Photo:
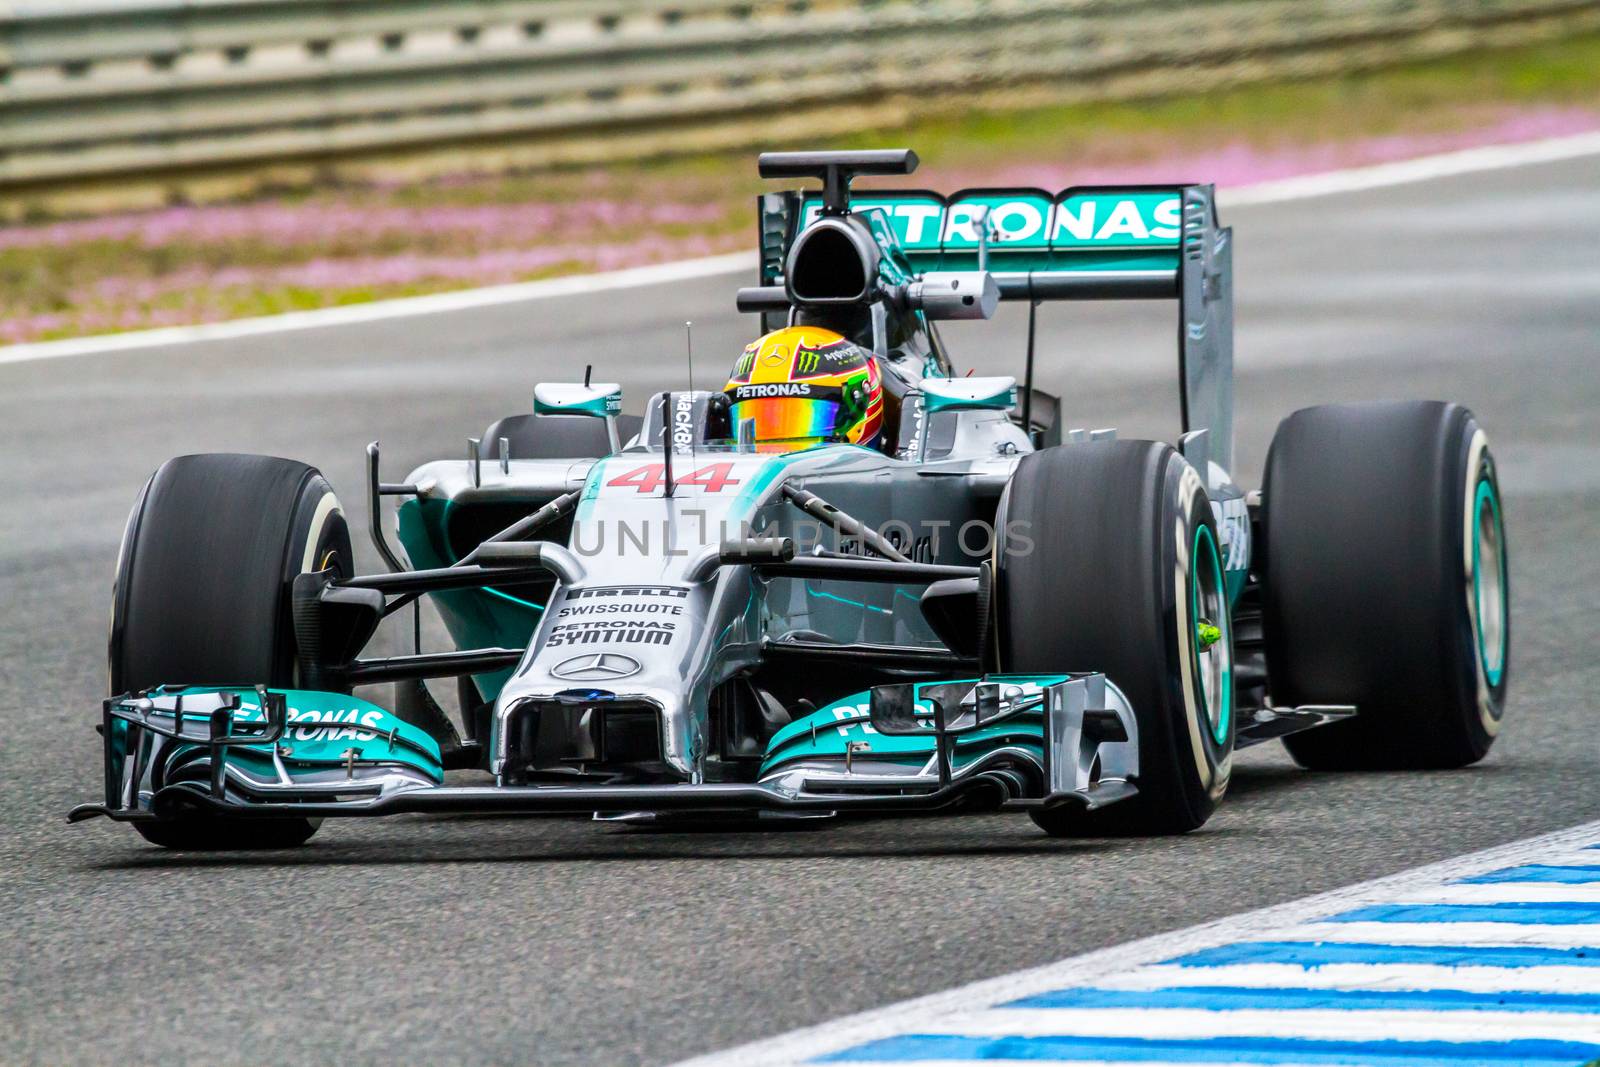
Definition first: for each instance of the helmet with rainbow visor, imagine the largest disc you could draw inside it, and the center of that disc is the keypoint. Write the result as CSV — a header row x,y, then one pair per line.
x,y
803,385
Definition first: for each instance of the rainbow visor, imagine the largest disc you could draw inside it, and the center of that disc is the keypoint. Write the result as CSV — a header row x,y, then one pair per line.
x,y
785,418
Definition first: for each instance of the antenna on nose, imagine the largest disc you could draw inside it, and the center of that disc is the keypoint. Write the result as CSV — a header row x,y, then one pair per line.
x,y
670,483
688,346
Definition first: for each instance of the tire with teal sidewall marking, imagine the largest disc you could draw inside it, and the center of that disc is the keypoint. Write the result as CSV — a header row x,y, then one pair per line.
x,y
1212,632
1126,578
202,598
1385,583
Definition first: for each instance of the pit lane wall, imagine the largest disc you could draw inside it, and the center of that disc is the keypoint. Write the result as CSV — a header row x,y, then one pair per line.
x,y
122,100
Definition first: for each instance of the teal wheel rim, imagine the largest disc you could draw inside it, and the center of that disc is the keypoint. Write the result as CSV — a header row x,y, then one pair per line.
x,y
1489,601
1208,603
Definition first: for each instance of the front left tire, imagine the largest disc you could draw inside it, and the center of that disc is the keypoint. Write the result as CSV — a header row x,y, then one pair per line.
x,y
202,597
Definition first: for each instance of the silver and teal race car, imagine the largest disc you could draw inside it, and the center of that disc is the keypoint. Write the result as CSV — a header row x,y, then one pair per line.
x,y
657,617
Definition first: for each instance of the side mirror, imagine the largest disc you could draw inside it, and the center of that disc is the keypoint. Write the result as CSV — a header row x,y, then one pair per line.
x,y
969,394
601,400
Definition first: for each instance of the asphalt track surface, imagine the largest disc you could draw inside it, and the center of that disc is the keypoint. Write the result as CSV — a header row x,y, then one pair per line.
x,y
497,940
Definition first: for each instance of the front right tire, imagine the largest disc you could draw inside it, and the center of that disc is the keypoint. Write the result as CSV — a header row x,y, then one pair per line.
x,y
1124,575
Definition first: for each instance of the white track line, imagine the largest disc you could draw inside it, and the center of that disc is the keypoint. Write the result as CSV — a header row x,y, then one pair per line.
x,y
378,310
1506,893
1355,179
1421,169
1575,936
1106,967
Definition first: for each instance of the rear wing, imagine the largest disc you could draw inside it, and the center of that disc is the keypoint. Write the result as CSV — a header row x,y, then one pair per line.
x,y
1132,242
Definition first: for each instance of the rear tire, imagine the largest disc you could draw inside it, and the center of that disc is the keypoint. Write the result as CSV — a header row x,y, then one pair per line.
x,y
1126,551
1385,583
202,596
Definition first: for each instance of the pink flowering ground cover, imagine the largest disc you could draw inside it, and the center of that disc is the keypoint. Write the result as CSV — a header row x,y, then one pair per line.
x,y
325,247
211,262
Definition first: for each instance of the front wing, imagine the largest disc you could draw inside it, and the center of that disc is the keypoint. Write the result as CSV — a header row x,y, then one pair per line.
x,y
1002,740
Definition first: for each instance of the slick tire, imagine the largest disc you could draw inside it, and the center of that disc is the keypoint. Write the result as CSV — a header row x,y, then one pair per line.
x,y
1385,584
202,596
1125,563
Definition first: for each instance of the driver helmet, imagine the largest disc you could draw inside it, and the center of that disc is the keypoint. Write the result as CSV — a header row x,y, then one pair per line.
x,y
804,384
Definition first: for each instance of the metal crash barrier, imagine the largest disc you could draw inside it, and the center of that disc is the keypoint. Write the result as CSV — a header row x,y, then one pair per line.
x,y
107,88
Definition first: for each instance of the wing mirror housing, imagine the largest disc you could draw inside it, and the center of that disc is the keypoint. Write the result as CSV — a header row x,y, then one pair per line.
x,y
600,400
969,394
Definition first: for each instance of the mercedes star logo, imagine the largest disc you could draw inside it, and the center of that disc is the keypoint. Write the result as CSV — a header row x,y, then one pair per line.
x,y
597,667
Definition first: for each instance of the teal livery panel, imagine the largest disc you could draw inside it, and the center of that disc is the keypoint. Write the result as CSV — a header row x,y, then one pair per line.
x,y
828,732
324,731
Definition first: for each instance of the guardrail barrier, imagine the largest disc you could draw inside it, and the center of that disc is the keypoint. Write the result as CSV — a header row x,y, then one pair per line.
x,y
98,90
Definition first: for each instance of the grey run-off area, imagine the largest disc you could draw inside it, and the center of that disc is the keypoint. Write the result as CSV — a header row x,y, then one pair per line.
x,y
492,940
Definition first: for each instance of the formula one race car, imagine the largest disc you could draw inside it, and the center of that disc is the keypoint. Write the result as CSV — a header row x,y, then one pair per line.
x,y
850,582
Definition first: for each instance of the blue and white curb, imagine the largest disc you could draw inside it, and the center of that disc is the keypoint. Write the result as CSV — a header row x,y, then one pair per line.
x,y
1492,958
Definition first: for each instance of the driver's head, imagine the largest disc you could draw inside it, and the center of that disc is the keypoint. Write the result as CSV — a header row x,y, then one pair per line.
x,y
805,384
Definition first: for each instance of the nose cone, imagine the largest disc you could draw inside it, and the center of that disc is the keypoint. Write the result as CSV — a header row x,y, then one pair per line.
x,y
635,645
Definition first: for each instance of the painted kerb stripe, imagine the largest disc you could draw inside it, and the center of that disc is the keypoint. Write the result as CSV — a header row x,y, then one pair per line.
x,y
1241,991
